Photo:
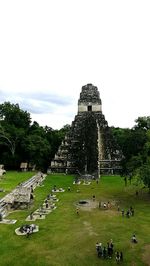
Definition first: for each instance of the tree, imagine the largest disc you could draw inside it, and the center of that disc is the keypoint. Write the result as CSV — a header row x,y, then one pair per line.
x,y
143,122
132,143
144,174
12,114
14,125
37,151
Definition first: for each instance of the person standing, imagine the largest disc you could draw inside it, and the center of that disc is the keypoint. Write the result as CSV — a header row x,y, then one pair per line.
x,y
133,239
28,232
121,256
117,257
77,211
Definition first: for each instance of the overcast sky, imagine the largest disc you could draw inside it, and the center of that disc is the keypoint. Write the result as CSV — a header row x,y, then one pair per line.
x,y
49,49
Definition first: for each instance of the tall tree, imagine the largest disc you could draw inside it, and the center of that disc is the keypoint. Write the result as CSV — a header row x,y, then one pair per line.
x,y
144,174
14,125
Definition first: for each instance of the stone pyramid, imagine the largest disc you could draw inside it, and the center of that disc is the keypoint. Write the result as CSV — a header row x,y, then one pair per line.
x,y
89,147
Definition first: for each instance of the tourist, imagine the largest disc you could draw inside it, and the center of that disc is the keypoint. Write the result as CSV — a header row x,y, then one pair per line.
x,y
104,253
131,211
40,211
66,171
47,205
111,245
133,239
117,257
121,256
28,232
100,250
122,211
69,188
77,210
97,247
31,189
48,196
93,197
105,205
109,250
128,214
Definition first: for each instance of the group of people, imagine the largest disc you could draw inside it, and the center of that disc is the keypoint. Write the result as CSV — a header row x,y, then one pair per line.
x,y
128,213
105,252
27,229
108,205
119,256
51,196
105,205
55,189
46,204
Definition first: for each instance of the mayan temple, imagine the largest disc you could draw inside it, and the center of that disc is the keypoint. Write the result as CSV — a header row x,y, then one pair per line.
x,y
89,147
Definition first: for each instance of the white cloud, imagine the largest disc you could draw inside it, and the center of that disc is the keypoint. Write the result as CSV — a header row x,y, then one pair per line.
x,y
56,47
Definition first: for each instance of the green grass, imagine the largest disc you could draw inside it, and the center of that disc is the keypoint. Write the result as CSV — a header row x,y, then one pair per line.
x,y
68,239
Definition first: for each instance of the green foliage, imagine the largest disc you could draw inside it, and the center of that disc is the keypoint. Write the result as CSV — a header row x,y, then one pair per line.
x,y
131,141
22,141
14,124
143,122
135,144
144,174
12,114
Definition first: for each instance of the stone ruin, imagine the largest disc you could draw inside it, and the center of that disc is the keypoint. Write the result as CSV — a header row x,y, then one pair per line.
x,y
89,147
2,170
24,167
21,197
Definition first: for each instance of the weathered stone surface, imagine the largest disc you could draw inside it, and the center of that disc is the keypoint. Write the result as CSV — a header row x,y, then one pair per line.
x,y
88,94
2,170
89,146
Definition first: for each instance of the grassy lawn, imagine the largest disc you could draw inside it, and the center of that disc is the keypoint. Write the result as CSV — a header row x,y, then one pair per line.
x,y
68,239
